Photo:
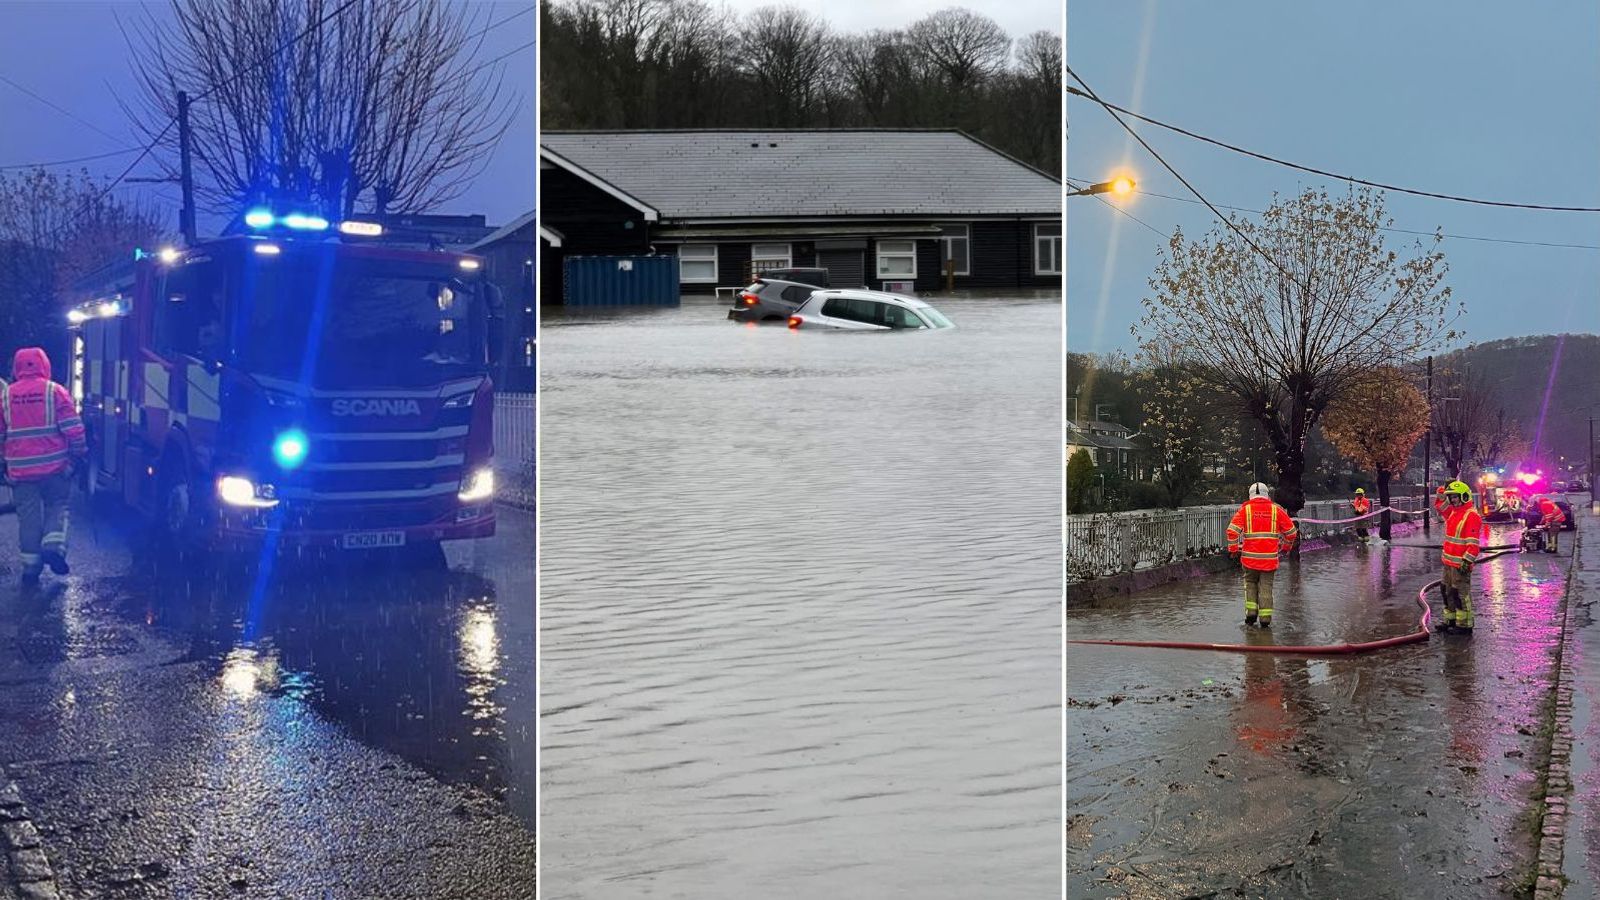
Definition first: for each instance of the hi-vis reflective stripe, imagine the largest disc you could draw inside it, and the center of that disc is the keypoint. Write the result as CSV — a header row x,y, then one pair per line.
x,y
30,432
21,462
155,386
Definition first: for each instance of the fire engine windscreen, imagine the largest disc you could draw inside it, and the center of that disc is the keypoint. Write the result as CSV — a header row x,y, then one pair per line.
x,y
367,325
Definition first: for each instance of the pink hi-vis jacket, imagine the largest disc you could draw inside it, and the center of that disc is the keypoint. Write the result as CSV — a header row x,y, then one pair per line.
x,y
39,424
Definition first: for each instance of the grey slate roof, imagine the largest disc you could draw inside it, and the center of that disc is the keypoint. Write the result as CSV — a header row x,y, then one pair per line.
x,y
718,174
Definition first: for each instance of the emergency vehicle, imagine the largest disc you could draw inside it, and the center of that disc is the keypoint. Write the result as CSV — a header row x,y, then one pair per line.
x,y
314,383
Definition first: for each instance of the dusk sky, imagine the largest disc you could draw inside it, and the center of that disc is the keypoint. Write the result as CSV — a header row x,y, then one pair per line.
x,y
74,55
1477,98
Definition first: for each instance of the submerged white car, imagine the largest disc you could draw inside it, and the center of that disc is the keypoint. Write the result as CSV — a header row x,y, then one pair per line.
x,y
858,310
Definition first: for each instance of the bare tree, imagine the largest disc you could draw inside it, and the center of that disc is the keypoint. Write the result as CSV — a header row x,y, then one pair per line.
x,y
1466,417
962,45
382,107
785,51
1289,312
53,230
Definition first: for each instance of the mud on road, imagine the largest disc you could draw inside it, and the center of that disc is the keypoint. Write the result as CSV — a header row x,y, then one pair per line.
x,y
1404,773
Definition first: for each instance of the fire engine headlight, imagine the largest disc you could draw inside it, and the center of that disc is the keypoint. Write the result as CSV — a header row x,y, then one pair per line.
x,y
477,486
235,490
289,448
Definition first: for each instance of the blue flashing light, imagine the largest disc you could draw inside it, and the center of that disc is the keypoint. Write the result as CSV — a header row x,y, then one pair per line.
x,y
303,222
259,218
290,448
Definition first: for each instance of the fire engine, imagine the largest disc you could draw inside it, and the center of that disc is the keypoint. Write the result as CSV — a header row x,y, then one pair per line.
x,y
311,383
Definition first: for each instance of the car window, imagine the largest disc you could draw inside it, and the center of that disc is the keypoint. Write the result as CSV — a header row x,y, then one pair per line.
x,y
796,293
850,309
899,317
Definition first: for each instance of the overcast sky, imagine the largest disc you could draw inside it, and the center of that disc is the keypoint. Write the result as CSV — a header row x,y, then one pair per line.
x,y
1017,17
72,53
1465,97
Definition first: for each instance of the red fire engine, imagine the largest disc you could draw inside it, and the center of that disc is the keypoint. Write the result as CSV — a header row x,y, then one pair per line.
x,y
314,384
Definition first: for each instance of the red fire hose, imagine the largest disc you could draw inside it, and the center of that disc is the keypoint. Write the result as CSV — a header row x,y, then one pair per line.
x,y
1421,634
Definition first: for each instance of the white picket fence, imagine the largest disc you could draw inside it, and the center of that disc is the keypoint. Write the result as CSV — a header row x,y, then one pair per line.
x,y
515,440
1101,544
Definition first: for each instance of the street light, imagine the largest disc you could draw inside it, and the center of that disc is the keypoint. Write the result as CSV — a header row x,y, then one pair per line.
x,y
1121,186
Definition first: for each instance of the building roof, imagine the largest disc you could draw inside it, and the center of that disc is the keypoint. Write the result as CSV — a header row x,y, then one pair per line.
x,y
506,230
709,174
1080,437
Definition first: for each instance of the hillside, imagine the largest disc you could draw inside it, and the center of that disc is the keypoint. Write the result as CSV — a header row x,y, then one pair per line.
x,y
1520,370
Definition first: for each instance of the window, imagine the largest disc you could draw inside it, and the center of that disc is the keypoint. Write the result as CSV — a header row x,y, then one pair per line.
x,y
797,293
770,256
1047,248
955,243
189,322
697,264
900,317
897,260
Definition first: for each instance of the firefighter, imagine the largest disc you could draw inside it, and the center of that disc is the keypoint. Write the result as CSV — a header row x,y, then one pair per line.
x,y
1550,519
1258,531
1362,506
41,436
1463,527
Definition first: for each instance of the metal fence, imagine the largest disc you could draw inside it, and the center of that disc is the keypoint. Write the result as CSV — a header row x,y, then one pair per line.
x,y
1100,544
515,440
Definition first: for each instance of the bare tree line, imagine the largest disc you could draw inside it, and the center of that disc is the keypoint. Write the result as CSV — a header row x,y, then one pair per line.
x,y
687,64
381,108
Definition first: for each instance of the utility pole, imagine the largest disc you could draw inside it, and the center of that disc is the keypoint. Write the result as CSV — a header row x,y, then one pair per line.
x,y
1594,490
1427,454
185,172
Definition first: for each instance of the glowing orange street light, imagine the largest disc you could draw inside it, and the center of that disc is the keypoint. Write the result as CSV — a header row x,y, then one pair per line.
x,y
1121,186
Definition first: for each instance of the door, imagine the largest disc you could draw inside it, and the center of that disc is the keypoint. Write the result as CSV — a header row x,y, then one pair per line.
x,y
846,268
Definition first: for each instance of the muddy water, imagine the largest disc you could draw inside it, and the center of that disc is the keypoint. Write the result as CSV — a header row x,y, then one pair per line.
x,y
1399,774
800,607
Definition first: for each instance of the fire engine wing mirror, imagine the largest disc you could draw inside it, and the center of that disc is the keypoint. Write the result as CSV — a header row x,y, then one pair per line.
x,y
496,323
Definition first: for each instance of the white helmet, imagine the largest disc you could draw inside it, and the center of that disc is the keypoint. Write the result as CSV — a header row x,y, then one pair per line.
x,y
1260,489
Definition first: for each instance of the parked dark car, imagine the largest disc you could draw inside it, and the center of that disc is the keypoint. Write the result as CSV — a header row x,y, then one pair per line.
x,y
776,294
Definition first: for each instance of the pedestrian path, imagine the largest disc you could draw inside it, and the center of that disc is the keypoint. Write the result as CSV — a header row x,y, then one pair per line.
x,y
1577,832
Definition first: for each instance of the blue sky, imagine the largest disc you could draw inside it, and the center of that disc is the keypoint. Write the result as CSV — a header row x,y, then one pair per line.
x,y
1477,98
73,53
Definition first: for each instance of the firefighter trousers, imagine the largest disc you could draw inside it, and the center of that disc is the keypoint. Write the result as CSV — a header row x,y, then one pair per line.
x,y
1457,597
1552,539
1258,593
42,517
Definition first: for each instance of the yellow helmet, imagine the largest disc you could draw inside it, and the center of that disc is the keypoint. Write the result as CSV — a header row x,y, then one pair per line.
x,y
1458,487
1361,490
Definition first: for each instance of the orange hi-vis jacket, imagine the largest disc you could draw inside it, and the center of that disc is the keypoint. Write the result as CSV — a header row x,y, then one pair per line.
x,y
1463,528
1549,513
1258,530
1362,505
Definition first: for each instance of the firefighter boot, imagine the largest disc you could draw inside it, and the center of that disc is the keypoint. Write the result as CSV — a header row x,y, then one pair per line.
x,y
1266,617
1553,545
1464,614
1447,621
56,561
1249,613
31,567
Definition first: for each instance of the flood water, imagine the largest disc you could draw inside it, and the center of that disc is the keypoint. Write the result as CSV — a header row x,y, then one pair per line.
x,y
1401,773
800,606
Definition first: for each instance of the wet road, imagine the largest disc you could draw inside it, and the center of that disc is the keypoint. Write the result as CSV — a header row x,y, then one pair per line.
x,y
1405,773
800,607
328,730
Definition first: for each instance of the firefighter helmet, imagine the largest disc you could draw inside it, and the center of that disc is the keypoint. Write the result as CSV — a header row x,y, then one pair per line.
x,y
1361,490
1259,490
1458,487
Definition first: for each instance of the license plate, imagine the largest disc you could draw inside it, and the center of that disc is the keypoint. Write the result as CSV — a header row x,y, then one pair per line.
x,y
372,540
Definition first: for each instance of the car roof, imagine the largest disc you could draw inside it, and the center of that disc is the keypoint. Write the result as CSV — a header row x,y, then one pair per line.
x,y
898,299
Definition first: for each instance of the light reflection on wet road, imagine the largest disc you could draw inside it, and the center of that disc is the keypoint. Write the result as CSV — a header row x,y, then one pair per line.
x,y
354,731
800,607
1397,774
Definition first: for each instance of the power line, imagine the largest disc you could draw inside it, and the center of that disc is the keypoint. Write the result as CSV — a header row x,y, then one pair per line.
x,y
60,109
1233,226
67,162
1323,172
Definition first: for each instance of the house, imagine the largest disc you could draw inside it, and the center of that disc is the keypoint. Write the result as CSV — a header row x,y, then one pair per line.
x,y
1109,444
872,206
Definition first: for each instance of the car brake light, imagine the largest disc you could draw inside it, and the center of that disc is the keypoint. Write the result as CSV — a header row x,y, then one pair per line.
x,y
749,299
795,321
